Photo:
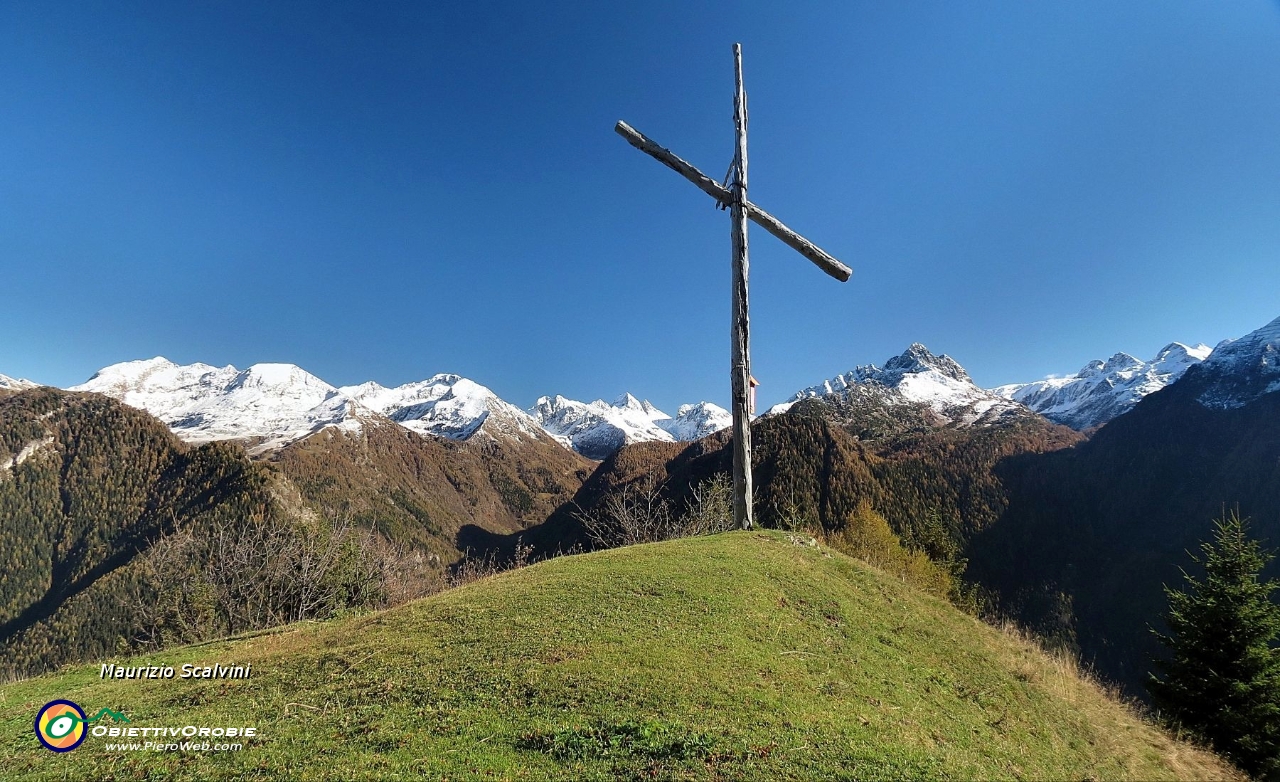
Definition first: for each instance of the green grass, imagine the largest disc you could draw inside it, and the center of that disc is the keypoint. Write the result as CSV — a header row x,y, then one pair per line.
x,y
737,656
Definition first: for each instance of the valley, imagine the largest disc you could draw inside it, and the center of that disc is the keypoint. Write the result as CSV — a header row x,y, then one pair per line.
x,y
1071,534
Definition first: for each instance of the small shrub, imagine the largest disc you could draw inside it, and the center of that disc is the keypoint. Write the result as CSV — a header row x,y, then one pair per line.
x,y
866,535
258,571
710,507
639,513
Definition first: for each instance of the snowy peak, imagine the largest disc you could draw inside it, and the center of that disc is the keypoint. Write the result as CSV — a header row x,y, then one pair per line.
x,y
629,402
1239,371
916,377
917,359
1232,374
154,375
283,380
15,384
270,404
1176,354
694,422
1100,391
1121,362
1255,349
549,406
597,429
447,405
1091,369
635,406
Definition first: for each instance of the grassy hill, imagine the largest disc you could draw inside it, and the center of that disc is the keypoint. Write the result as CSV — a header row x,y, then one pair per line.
x,y
737,656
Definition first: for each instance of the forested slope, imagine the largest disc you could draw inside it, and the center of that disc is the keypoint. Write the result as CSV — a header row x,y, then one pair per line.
x,y
86,485
1092,534
422,491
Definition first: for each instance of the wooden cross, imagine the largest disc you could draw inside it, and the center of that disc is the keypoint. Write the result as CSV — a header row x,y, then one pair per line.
x,y
735,197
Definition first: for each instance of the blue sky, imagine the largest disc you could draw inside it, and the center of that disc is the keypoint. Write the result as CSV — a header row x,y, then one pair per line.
x,y
386,191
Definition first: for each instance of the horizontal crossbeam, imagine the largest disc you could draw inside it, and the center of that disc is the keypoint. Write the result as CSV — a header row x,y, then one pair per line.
x,y
722,194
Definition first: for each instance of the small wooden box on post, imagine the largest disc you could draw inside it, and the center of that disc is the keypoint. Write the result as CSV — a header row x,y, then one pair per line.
x,y
740,211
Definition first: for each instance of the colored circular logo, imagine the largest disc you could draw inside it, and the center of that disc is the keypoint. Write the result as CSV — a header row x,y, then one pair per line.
x,y
60,726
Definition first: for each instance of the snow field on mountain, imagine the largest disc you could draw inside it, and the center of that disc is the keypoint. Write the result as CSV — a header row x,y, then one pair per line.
x,y
16,384
275,404
1100,391
596,429
917,376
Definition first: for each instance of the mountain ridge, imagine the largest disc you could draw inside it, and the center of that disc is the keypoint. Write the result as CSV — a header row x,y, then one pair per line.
x,y
1100,391
87,485
270,405
15,383
1109,522
915,378
1240,371
597,429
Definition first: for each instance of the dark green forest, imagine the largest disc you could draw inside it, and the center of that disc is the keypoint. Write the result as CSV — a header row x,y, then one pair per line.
x,y
100,483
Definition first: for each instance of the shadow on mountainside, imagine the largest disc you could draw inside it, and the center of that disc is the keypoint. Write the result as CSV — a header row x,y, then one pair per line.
x,y
1091,534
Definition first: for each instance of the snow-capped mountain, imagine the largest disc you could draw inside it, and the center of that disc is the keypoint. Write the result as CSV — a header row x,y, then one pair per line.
x,y
1103,390
271,404
15,384
917,377
694,422
447,406
1241,370
597,429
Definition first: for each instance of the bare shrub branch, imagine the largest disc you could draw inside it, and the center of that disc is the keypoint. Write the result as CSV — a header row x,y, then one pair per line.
x,y
638,513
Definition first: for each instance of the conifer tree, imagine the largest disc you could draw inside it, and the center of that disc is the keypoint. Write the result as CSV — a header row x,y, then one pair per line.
x,y
1222,679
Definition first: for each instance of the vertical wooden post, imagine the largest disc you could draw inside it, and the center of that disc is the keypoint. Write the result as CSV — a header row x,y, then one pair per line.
x,y
741,354
741,210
